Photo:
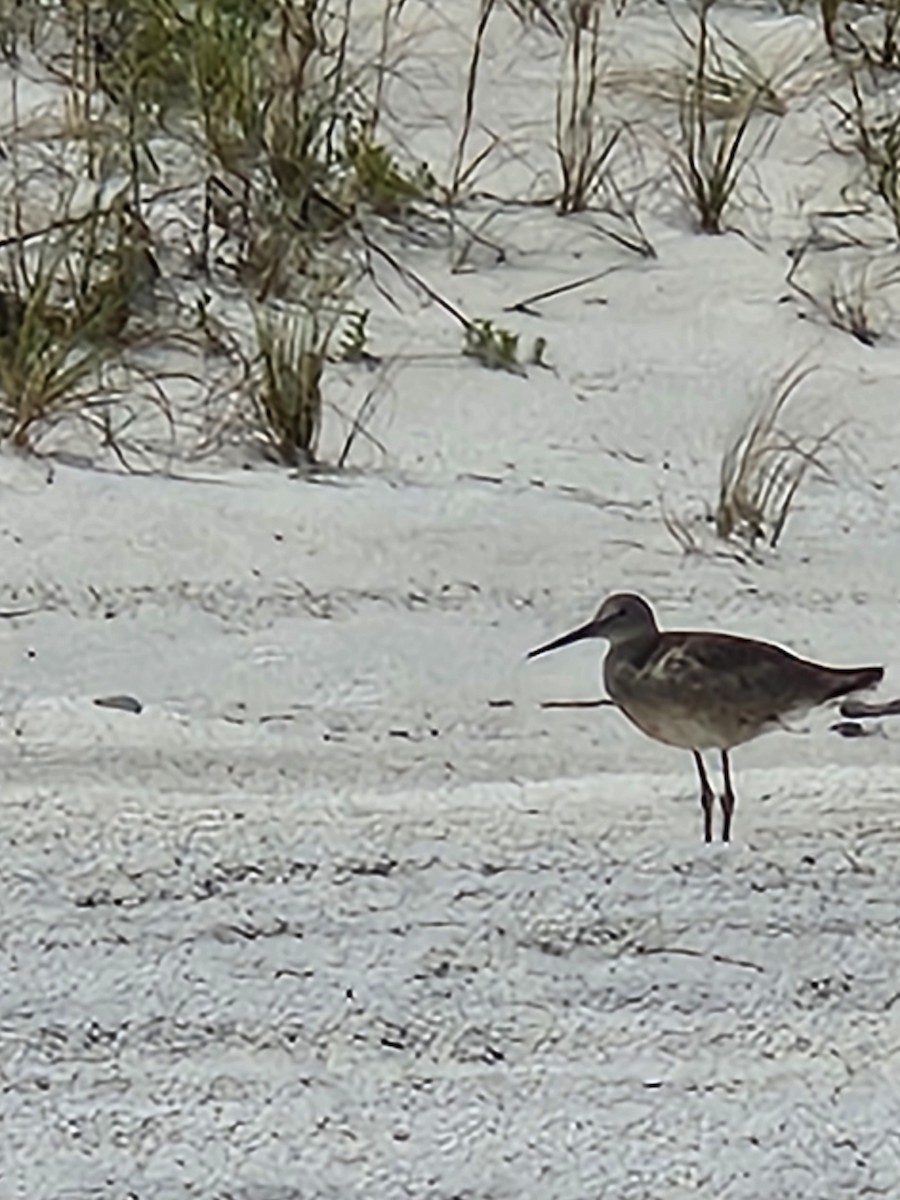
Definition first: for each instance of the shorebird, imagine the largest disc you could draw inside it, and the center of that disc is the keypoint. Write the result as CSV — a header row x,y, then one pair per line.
x,y
705,691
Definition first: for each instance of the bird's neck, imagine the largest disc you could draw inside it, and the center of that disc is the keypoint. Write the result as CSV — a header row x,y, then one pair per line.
x,y
635,650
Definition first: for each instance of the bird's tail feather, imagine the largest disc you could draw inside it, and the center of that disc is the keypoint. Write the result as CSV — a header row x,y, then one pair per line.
x,y
855,680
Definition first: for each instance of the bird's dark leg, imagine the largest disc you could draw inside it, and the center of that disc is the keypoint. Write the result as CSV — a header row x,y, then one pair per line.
x,y
727,798
707,797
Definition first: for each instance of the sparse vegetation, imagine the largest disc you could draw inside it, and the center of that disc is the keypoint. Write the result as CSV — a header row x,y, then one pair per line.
x,y
864,32
873,38
854,296
49,361
292,349
294,343
870,125
584,141
260,110
585,136
66,298
829,11
493,346
462,169
239,154
712,152
764,465
378,181
731,75
354,338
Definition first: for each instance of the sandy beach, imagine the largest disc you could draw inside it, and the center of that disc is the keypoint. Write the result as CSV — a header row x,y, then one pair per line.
x,y
345,912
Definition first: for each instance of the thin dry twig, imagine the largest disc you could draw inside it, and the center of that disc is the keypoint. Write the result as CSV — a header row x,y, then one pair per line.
x,y
484,16
526,305
717,958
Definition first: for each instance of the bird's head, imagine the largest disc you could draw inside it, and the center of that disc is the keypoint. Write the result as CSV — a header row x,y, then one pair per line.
x,y
621,618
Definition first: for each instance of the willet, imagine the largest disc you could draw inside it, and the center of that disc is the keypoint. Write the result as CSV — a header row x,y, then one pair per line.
x,y
705,691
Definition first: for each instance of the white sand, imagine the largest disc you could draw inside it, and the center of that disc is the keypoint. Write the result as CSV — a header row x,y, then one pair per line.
x,y
344,913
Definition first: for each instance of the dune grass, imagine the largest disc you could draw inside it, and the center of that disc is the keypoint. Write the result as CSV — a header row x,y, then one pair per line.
x,y
711,153
764,465
265,113
233,148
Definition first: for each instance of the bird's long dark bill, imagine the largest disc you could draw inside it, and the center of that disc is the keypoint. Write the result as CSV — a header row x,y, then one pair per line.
x,y
577,635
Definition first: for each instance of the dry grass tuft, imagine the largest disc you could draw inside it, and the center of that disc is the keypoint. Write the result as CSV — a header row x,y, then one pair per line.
x,y
293,343
66,298
858,296
584,141
764,466
288,394
712,154
870,128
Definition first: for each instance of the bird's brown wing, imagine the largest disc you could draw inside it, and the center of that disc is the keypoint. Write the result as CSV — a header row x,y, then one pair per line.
x,y
761,680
